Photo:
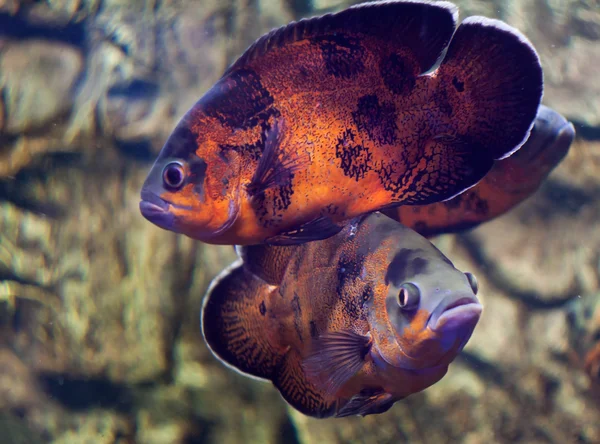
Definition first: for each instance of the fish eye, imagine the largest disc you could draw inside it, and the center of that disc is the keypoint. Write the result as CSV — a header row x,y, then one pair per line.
x,y
472,282
409,296
173,175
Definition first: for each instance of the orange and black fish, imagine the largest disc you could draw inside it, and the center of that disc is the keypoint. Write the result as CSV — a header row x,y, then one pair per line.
x,y
383,104
511,181
583,316
343,326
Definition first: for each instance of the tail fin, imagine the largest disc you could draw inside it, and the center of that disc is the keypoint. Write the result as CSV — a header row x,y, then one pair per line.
x,y
234,324
495,83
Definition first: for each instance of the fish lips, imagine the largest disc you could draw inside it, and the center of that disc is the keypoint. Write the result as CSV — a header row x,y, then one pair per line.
x,y
156,210
454,314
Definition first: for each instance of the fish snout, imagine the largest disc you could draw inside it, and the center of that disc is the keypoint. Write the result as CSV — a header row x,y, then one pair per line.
x,y
455,313
156,210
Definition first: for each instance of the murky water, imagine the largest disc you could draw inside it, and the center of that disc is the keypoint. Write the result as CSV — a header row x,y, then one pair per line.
x,y
100,339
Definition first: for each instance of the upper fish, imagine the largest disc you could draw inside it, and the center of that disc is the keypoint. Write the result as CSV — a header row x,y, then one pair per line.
x,y
382,104
510,182
343,326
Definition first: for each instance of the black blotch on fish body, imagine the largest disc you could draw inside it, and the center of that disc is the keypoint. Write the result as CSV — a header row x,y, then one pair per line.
x,y
343,55
253,150
404,265
262,308
297,310
397,75
197,168
419,265
314,333
377,120
238,99
348,270
458,85
355,159
182,142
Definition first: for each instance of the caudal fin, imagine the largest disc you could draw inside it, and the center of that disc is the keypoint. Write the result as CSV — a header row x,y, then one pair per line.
x,y
494,83
234,323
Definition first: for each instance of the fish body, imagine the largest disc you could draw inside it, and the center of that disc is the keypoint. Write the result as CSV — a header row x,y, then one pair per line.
x,y
333,117
583,316
510,182
343,326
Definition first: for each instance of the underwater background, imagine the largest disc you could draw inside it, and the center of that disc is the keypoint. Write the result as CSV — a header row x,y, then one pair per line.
x,y
99,309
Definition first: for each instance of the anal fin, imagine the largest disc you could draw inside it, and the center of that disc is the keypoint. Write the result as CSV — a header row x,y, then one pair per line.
x,y
367,402
336,358
317,229
299,392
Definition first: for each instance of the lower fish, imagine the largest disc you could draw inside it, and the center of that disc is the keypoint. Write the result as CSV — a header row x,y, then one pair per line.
x,y
343,326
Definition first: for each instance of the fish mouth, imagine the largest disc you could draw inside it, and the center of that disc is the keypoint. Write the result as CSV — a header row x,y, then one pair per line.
x,y
455,313
156,210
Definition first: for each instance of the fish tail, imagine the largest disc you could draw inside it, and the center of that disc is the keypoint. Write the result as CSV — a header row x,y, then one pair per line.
x,y
234,324
492,84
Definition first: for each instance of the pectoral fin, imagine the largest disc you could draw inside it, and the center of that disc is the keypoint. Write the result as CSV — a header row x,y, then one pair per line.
x,y
276,166
336,358
317,229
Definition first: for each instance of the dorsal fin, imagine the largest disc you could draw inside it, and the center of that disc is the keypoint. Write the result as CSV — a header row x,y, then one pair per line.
x,y
423,28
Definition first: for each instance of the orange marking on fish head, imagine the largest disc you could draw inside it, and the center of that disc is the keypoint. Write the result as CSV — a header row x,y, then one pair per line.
x,y
192,194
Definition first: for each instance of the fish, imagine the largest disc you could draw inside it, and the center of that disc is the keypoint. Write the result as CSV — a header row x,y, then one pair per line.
x,y
343,326
510,181
326,119
583,320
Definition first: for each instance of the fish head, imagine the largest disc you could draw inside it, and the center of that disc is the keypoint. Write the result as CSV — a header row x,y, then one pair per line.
x,y
431,308
190,191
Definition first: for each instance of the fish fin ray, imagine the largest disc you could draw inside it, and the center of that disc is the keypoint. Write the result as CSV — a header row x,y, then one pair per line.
x,y
268,262
297,390
336,357
317,229
493,80
422,29
233,326
367,402
276,167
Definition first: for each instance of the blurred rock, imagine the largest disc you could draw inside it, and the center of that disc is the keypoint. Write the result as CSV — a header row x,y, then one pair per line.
x,y
37,79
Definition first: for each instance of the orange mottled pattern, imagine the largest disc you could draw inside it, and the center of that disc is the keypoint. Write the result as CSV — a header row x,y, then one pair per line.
x,y
339,284
368,127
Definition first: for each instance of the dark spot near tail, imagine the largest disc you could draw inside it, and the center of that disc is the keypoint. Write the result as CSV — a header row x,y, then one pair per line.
x,y
355,159
237,99
262,308
398,74
314,333
376,119
458,85
343,55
